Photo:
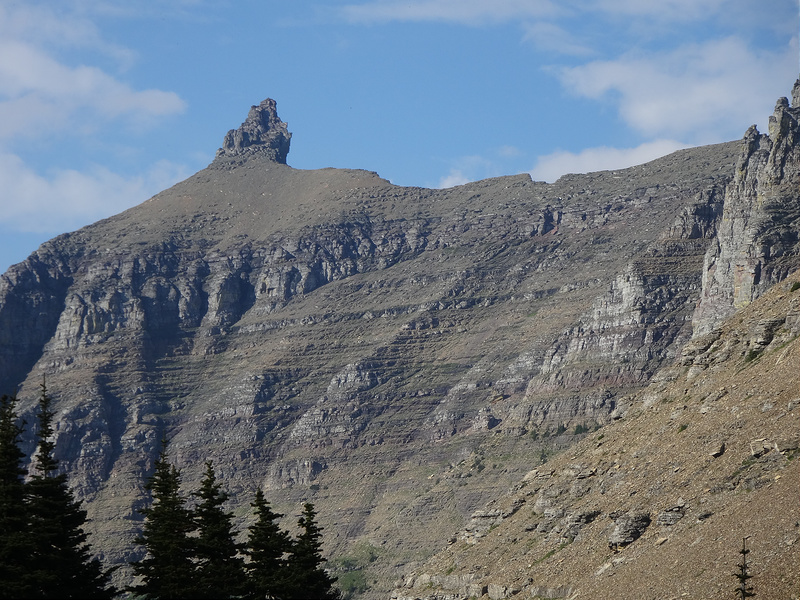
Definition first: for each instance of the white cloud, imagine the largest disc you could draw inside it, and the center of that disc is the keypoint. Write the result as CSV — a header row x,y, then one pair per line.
x,y
453,178
663,10
697,91
475,168
473,12
549,36
552,166
41,94
67,199
55,27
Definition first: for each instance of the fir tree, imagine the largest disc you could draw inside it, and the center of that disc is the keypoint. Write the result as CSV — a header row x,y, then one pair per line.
x,y
266,546
743,589
167,571
15,542
306,579
220,571
63,564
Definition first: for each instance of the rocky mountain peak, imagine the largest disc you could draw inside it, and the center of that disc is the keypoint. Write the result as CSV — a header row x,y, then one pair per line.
x,y
262,132
796,94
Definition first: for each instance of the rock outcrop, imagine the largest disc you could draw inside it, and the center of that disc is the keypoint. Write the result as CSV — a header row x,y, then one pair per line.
x,y
758,242
261,133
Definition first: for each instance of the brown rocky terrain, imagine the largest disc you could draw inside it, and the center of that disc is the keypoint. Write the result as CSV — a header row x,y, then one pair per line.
x,y
402,356
656,504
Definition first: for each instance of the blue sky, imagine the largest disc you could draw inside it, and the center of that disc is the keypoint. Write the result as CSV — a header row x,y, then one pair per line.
x,y
104,103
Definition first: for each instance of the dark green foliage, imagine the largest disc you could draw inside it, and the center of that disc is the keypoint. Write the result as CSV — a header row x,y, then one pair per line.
x,y
220,571
193,553
306,579
751,355
16,546
266,546
167,571
62,564
743,589
189,553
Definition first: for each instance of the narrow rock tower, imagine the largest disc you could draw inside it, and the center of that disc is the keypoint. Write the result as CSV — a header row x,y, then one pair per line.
x,y
261,133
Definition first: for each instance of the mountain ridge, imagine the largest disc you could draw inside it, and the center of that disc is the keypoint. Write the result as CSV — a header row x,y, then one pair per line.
x,y
396,355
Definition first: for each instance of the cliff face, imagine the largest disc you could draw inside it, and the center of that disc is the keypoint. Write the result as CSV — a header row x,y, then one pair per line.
x,y
759,237
395,355
656,504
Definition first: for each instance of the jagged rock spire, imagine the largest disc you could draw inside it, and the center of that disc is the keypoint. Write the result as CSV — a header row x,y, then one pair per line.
x,y
796,94
262,132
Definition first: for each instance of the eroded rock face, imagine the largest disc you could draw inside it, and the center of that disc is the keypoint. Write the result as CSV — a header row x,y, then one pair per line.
x,y
759,237
262,132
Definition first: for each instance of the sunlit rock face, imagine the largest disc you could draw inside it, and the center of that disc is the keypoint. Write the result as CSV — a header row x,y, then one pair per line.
x,y
759,236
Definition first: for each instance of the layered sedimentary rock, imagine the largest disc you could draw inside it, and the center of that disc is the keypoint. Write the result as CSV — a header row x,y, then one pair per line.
x,y
656,504
395,355
759,237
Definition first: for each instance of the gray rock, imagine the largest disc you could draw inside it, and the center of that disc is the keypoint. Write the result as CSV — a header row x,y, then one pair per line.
x,y
758,241
262,132
669,517
628,527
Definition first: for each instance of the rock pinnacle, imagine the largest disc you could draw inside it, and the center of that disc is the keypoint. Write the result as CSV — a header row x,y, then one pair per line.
x,y
261,133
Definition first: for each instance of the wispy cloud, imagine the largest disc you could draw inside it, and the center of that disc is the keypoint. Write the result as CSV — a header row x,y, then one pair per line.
x,y
552,166
43,95
473,168
66,199
695,92
549,36
471,12
33,85
663,10
54,26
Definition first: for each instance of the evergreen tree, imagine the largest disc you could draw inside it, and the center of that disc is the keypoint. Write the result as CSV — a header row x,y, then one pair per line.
x,y
63,564
220,571
743,589
15,542
306,579
167,571
266,546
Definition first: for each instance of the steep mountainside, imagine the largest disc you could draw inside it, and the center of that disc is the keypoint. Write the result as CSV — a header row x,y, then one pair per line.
x,y
656,504
398,356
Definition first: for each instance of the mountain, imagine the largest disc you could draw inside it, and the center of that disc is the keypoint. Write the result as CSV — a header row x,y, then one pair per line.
x,y
399,356
657,504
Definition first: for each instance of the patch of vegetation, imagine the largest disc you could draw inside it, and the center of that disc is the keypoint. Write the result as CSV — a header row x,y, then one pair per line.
x,y
795,286
682,427
551,553
351,569
584,428
746,463
352,583
751,355
543,456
